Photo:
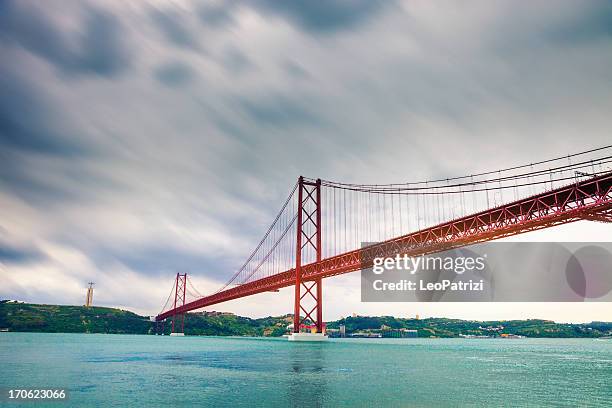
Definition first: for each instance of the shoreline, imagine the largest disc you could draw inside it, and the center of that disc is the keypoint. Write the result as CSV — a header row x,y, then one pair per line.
x,y
37,318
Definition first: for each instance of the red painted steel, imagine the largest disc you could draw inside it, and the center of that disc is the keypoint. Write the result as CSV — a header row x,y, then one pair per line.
x,y
180,297
585,200
298,258
319,282
309,196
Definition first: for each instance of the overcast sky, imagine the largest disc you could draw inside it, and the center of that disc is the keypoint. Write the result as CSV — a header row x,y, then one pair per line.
x,y
138,139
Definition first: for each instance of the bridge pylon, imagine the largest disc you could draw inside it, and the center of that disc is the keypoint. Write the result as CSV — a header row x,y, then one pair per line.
x,y
308,294
178,320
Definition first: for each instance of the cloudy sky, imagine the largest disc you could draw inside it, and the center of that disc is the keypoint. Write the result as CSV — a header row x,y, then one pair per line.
x,y
138,139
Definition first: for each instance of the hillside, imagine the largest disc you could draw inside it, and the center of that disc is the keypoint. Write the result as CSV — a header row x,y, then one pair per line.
x,y
70,319
25,317
79,319
442,327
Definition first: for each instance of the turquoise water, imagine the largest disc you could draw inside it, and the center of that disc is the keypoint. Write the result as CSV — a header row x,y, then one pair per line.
x,y
145,371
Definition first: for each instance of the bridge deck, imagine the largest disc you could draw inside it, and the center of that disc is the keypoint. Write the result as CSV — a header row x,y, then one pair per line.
x,y
588,199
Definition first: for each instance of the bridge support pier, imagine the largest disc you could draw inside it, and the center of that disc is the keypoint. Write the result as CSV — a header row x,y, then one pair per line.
x,y
307,337
308,294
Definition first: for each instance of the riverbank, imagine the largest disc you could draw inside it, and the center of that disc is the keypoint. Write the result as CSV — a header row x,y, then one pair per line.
x,y
25,317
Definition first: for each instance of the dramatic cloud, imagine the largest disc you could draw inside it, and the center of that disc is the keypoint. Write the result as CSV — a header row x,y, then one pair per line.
x,y
18,255
174,74
172,24
28,122
139,139
325,17
94,46
217,15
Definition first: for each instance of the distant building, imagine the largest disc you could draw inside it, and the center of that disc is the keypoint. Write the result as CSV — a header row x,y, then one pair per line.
x,y
491,328
342,330
398,333
222,314
213,313
409,333
511,336
474,336
367,335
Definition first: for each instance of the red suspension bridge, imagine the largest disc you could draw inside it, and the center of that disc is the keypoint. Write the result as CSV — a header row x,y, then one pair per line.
x,y
327,228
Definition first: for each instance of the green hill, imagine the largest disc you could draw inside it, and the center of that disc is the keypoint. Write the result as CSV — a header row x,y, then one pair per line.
x,y
26,317
442,327
70,319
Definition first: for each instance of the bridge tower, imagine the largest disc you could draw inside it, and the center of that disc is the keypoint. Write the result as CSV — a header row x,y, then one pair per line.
x,y
308,294
178,320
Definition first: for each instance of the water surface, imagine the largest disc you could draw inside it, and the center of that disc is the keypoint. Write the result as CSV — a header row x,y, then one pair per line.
x,y
145,371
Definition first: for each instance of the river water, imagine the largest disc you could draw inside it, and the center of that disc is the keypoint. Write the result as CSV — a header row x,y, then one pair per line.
x,y
147,371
